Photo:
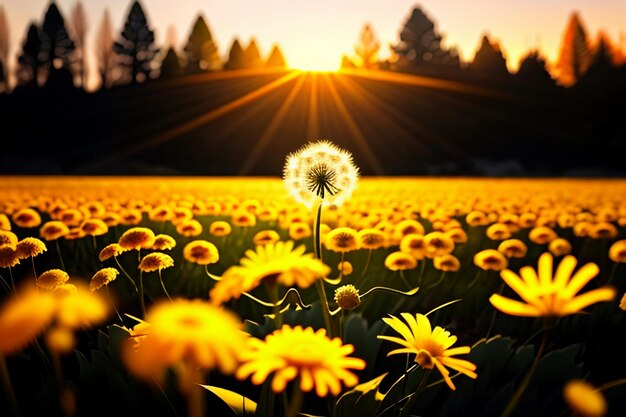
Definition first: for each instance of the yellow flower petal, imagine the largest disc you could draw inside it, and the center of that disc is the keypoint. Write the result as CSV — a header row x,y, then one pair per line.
x,y
512,307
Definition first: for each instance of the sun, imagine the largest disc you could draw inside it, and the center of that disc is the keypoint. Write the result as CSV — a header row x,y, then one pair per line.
x,y
314,63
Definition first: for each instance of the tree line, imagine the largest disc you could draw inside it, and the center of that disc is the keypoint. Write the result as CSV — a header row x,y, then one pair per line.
x,y
53,53
421,50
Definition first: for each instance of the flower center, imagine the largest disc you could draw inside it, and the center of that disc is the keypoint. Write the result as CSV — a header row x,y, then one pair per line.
x,y
319,180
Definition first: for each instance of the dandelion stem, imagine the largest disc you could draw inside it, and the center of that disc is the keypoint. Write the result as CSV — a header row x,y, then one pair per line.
x,y
12,281
32,261
163,286
319,284
409,404
7,385
6,284
126,273
612,274
403,278
524,384
142,303
195,396
59,252
443,274
296,401
272,289
64,395
367,264
493,315
113,304
422,269
475,280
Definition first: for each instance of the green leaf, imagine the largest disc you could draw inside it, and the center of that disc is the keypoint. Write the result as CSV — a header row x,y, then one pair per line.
x,y
362,400
239,404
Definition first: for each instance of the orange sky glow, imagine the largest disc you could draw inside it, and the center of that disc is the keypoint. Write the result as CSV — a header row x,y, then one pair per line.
x,y
315,34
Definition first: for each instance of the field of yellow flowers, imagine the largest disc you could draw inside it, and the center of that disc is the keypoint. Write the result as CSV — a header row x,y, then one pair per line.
x,y
269,297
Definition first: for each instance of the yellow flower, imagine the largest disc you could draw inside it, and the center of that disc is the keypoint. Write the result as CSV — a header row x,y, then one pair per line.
x,y
155,262
584,399
546,296
299,230
189,227
192,331
320,362
94,227
617,251
51,279
448,263
27,218
560,247
23,319
582,229
320,171
29,247
220,228
370,238
400,261
111,219
413,244
130,217
136,238
80,309
60,340
342,239
542,235
437,244
71,217
5,224
265,237
103,277
476,218
498,231
201,252
8,256
457,235
163,242
109,251
603,230
345,268
243,218
279,261
181,214
622,303
432,347
347,297
513,248
407,227
161,213
490,259
8,238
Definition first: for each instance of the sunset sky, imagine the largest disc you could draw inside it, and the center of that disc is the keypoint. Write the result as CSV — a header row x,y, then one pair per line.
x,y
315,34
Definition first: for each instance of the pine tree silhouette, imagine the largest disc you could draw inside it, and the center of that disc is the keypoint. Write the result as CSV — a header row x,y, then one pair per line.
x,y
135,47
533,69
489,59
346,63
420,44
105,56
29,61
56,46
575,56
201,50
79,26
235,57
276,58
252,56
170,66
367,48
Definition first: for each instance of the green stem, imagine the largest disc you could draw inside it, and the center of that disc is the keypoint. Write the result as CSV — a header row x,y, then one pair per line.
x,y
367,264
493,315
7,385
512,405
13,282
32,261
612,274
441,277
59,252
319,284
422,269
195,396
65,399
142,303
126,273
296,400
113,305
163,286
612,384
475,280
403,278
272,289
409,404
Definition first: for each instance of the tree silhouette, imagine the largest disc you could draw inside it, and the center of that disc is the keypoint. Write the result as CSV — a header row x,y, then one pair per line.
x,y
489,59
201,50
367,48
170,65
575,56
105,56
235,57
4,50
252,56
79,26
29,61
420,44
56,46
135,47
346,63
533,69
276,58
